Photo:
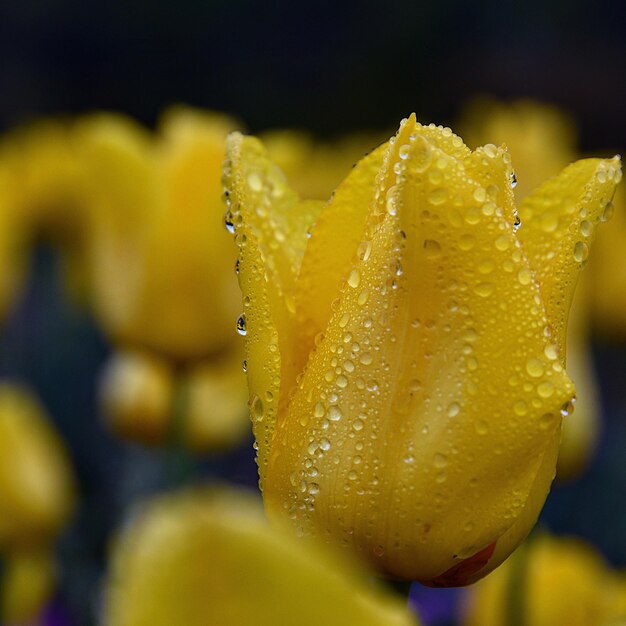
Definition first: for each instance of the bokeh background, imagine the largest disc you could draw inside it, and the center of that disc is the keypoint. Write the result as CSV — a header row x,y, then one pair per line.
x,y
330,68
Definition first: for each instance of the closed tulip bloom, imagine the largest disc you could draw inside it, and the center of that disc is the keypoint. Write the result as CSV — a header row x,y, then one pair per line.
x,y
209,557
37,488
549,582
40,173
406,362
161,264
136,394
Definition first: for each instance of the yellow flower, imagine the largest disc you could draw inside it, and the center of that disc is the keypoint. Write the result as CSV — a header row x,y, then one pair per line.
x,y
540,137
26,584
313,168
12,255
209,557
139,392
405,363
162,264
40,187
607,278
36,483
542,140
548,582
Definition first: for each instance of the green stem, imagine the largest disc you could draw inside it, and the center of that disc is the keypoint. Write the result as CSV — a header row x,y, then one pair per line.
x,y
179,463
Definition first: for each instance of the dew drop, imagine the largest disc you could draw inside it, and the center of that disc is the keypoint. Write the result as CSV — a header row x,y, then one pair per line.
x,y
525,276
581,251
480,195
441,460
228,221
484,290
354,278
438,196
545,389
453,409
502,243
334,414
257,409
254,181
534,367
241,324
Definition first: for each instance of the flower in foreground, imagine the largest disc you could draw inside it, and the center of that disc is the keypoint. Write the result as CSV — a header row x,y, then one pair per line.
x,y
406,362
542,140
549,581
210,557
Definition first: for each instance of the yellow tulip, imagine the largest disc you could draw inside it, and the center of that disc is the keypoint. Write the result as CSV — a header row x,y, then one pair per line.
x,y
41,170
162,264
26,584
405,362
209,557
549,582
215,417
542,140
136,395
12,255
313,168
36,482
540,137
608,276
142,397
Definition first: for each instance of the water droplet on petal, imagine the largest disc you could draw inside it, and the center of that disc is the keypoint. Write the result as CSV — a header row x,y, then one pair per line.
x,y
241,324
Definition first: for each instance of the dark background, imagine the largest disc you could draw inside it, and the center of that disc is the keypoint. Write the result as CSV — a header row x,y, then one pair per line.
x,y
330,67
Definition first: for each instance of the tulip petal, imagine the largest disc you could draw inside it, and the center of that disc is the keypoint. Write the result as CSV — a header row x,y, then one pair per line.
x,y
421,424
330,251
271,227
558,223
37,488
209,557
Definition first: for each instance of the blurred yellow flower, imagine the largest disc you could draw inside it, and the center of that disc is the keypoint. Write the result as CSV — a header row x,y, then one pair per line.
x,y
37,495
315,169
405,363
39,172
162,262
547,582
209,557
37,488
139,391
26,584
542,140
607,277
12,254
